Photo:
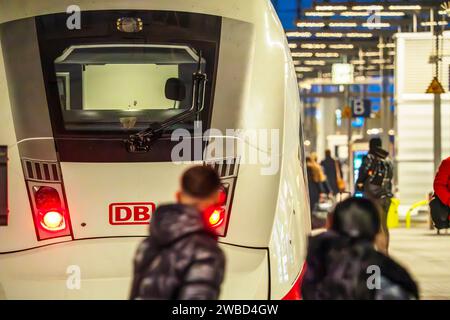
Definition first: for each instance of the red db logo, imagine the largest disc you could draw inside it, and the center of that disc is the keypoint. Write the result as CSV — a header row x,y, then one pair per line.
x,y
130,213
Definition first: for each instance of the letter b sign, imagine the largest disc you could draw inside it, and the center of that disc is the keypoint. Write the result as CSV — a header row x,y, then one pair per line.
x,y
361,108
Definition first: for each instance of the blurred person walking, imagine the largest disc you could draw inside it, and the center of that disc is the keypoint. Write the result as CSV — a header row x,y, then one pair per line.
x,y
316,181
375,182
343,264
181,259
333,172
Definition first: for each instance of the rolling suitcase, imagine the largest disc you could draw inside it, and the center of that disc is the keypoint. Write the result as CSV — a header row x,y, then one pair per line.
x,y
439,214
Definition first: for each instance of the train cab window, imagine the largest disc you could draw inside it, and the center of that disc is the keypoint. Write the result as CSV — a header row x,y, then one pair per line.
x,y
124,87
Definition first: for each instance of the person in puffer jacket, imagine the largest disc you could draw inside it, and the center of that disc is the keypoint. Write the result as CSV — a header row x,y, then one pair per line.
x,y
181,259
342,263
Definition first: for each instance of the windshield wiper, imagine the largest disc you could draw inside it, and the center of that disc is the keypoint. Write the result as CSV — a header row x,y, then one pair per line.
x,y
142,141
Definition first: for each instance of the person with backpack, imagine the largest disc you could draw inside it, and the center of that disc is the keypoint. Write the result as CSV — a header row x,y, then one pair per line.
x,y
375,183
343,264
181,259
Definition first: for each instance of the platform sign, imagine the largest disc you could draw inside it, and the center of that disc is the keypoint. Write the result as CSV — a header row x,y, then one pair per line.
x,y
435,87
342,73
361,108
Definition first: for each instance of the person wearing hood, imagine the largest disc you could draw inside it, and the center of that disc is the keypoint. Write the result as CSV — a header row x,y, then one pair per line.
x,y
375,182
343,264
181,259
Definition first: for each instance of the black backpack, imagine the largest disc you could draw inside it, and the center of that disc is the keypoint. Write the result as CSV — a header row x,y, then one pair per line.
x,y
379,171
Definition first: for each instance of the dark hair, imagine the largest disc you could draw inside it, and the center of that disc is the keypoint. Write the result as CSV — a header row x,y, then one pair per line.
x,y
328,153
356,218
200,181
374,144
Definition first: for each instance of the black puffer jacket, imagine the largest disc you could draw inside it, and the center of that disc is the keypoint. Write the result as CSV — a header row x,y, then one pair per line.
x,y
340,268
180,260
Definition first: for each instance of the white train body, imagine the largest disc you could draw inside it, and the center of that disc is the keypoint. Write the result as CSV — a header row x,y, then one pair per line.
x,y
251,85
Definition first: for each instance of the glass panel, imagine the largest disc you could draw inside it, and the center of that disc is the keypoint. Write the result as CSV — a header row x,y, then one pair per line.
x,y
111,87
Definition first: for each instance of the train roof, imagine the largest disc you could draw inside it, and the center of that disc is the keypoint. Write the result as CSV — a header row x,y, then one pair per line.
x,y
244,10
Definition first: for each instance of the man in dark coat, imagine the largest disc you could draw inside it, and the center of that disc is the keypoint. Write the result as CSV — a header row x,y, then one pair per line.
x,y
330,166
181,259
375,181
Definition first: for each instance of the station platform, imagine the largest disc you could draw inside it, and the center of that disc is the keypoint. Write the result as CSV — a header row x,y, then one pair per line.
x,y
426,255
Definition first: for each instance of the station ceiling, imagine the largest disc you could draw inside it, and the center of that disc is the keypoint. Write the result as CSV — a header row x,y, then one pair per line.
x,y
317,30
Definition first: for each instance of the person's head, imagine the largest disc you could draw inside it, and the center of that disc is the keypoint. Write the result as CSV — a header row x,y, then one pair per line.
x,y
314,156
308,160
374,144
200,187
328,153
357,218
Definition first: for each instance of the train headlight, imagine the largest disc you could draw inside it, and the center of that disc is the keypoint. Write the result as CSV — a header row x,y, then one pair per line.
x,y
129,25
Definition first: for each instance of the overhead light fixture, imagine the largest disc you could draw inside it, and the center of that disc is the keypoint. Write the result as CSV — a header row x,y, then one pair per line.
x,y
376,25
296,63
302,54
341,46
389,14
319,14
360,35
304,69
293,45
358,62
386,45
310,24
313,46
390,67
391,53
294,34
434,23
355,14
330,8
379,61
371,54
342,24
326,55
368,8
329,35
405,7
314,62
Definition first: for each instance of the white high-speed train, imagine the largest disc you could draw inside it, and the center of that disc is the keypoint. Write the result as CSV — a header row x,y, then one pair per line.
x,y
89,98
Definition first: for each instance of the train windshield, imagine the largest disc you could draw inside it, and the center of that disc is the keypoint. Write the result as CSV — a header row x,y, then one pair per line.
x,y
124,87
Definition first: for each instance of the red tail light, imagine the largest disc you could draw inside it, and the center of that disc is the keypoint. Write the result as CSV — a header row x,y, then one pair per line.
x,y
53,221
50,214
216,217
47,198
295,293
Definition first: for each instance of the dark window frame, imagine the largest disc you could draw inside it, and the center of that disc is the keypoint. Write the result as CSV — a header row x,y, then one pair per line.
x,y
198,31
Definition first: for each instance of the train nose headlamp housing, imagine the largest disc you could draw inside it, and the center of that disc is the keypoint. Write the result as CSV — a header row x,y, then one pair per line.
x,y
129,25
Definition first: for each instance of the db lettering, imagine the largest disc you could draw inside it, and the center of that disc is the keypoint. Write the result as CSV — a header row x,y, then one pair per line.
x,y
130,213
